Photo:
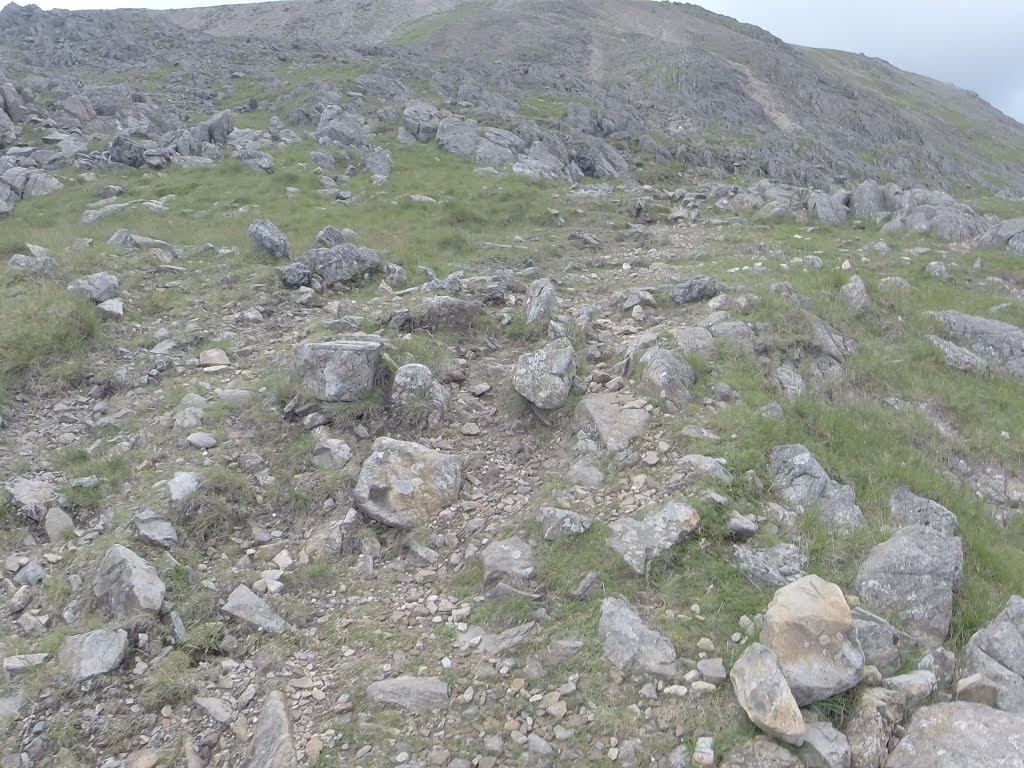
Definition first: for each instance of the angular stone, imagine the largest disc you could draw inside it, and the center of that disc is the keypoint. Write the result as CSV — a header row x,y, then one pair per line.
x,y
916,686
413,694
541,301
183,485
996,653
96,288
915,575
345,263
338,371
802,482
93,653
825,747
420,396
959,734
774,567
630,644
402,484
870,723
667,377
57,524
695,289
545,377
640,541
243,604
508,559
271,745
330,453
125,584
883,644
31,498
908,509
809,627
764,695
560,523
607,416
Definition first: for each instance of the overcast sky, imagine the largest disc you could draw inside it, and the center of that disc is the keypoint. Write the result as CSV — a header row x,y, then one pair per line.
x,y
973,44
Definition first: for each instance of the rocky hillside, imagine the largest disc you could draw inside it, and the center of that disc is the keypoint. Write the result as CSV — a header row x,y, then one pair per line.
x,y
502,391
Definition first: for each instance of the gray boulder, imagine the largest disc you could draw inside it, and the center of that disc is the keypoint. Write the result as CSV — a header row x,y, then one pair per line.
x,y
915,576
419,122
341,128
870,199
883,644
446,313
810,628
870,724
700,288
271,745
154,528
413,694
541,301
829,209
667,376
97,288
31,498
93,653
343,263
996,654
775,566
855,294
640,541
507,559
909,509
959,734
630,644
258,161
561,523
379,163
802,482
457,135
824,747
545,377
31,265
611,419
999,343
403,484
763,693
338,371
126,584
245,605
266,237
127,152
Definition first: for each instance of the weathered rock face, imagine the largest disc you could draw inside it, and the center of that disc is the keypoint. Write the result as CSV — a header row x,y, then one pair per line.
x,y
695,289
960,734
266,237
271,745
545,377
96,288
340,128
909,509
870,724
125,583
883,644
343,263
609,418
809,627
802,481
541,301
915,575
338,371
559,523
419,122
762,691
640,541
402,484
413,694
243,604
773,567
667,376
825,747
996,654
446,313
457,135
31,498
507,559
630,644
93,653
999,343
830,209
